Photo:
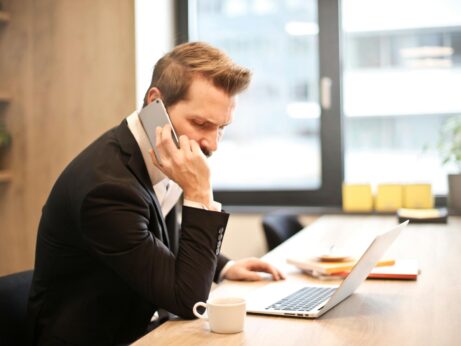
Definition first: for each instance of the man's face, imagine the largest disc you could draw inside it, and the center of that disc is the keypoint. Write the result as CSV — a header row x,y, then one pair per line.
x,y
203,115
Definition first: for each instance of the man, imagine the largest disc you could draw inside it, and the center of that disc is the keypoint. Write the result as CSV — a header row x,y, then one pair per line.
x,y
109,253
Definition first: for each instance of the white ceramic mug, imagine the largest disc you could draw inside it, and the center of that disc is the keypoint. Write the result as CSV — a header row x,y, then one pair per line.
x,y
225,315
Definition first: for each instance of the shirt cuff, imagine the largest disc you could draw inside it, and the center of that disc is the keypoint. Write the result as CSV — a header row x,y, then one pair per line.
x,y
225,269
215,206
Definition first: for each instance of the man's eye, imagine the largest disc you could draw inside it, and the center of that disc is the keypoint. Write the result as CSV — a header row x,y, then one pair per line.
x,y
199,124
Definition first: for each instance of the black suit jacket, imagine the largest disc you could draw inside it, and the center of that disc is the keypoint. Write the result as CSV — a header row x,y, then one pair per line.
x,y
105,260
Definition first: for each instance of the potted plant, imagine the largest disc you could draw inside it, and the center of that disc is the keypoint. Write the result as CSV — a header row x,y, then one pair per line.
x,y
449,146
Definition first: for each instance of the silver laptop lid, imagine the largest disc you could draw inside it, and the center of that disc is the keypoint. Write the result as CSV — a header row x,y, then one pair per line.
x,y
364,266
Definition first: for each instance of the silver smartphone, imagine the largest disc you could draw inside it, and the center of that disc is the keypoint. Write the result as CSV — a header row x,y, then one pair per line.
x,y
155,115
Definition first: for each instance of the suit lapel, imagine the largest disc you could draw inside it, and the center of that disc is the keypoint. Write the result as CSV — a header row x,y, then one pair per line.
x,y
136,165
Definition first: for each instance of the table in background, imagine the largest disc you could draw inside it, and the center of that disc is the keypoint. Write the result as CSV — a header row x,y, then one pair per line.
x,y
380,312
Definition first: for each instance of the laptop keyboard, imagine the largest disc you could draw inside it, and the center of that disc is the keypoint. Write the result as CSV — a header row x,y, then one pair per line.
x,y
304,299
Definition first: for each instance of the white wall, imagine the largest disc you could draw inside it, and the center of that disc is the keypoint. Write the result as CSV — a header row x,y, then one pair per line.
x,y
244,237
154,32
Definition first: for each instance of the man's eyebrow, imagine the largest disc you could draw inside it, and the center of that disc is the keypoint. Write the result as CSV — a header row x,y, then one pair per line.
x,y
209,121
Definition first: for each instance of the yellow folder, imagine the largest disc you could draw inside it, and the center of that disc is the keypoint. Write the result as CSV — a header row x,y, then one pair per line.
x,y
357,197
418,196
389,197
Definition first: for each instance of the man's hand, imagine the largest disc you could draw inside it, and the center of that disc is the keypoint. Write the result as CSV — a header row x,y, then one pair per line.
x,y
246,269
187,166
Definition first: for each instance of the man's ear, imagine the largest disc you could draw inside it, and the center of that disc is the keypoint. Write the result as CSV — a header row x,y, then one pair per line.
x,y
153,94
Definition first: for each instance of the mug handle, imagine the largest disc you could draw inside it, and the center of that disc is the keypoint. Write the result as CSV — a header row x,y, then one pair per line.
x,y
196,313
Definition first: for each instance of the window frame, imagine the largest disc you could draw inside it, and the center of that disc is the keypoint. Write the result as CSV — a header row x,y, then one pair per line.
x,y
331,120
329,194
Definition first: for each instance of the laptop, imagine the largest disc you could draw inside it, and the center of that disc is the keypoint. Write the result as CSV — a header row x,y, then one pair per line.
x,y
311,301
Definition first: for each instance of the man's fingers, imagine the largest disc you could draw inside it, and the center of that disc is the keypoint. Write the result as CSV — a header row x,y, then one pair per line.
x,y
259,265
195,147
250,276
275,274
167,139
249,269
158,135
184,143
282,276
155,160
164,144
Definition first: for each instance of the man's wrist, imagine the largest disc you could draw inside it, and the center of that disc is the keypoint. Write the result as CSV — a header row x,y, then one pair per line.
x,y
225,269
214,206
204,197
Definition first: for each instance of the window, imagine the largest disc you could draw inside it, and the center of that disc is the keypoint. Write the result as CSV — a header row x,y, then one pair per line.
x,y
401,83
387,87
278,118
273,146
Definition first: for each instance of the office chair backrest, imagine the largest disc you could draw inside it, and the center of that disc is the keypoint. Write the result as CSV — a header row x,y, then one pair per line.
x,y
14,294
279,227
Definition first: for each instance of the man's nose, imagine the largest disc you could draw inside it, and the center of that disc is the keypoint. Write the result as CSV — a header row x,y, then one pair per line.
x,y
210,142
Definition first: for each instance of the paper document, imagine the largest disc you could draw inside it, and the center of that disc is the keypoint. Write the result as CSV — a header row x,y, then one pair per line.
x,y
330,267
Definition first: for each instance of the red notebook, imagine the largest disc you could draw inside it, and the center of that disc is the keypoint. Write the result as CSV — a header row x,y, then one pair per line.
x,y
405,269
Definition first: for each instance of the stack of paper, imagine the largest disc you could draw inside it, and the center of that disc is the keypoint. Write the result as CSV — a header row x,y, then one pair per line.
x,y
385,269
423,215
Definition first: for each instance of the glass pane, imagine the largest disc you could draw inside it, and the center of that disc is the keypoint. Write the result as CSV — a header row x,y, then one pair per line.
x,y
273,142
401,82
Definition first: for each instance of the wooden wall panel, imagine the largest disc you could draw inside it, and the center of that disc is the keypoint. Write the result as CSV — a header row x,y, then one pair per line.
x,y
70,68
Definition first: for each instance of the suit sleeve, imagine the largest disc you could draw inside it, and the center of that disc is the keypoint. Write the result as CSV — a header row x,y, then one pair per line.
x,y
115,225
171,221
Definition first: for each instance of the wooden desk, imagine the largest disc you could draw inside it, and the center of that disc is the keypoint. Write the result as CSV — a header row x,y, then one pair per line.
x,y
381,312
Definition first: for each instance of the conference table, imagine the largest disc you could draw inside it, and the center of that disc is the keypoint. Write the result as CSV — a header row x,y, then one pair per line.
x,y
426,311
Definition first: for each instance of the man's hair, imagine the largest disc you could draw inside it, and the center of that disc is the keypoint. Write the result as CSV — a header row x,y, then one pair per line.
x,y
174,72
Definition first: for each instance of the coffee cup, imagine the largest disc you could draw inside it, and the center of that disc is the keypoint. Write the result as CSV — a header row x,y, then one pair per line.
x,y
225,315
